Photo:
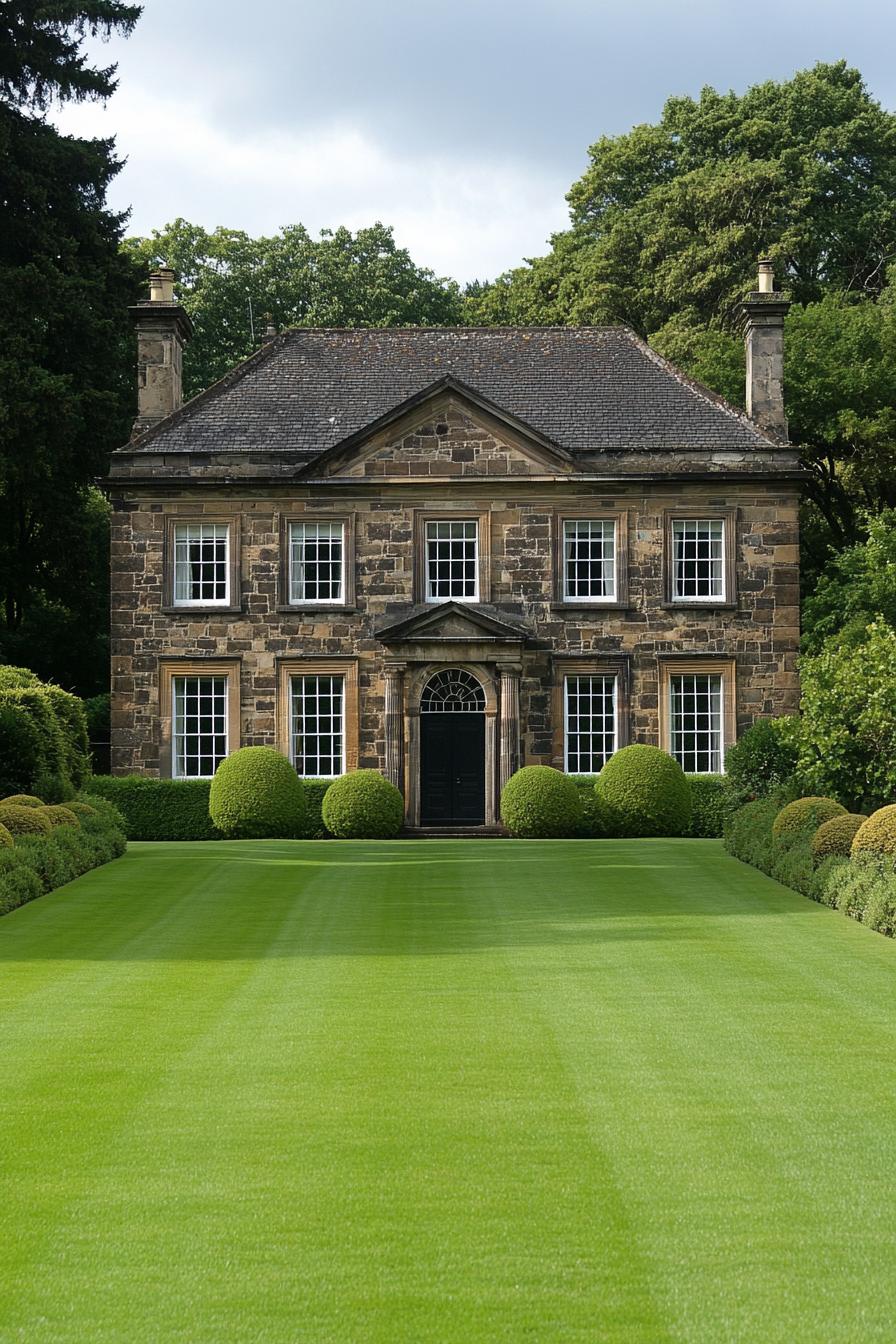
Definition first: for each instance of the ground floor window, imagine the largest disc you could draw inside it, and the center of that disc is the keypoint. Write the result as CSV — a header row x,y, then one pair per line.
x,y
696,722
589,722
199,725
317,725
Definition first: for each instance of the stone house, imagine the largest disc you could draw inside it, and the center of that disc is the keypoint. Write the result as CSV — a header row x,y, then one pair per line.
x,y
447,553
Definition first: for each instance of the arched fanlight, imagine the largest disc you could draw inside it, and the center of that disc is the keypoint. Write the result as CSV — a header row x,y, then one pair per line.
x,y
452,691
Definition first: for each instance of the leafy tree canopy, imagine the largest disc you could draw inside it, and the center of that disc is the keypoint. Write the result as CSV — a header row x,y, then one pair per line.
x,y
857,587
341,279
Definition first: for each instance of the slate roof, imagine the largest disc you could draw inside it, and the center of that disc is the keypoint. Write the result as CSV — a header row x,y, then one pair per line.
x,y
586,389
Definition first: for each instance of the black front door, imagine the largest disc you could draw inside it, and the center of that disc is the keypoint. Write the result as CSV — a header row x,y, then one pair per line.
x,y
452,769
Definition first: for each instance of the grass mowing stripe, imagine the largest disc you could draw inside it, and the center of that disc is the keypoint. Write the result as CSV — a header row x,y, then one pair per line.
x,y
445,1091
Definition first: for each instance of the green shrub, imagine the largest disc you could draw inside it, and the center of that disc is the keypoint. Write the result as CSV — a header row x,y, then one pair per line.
x,y
57,814
72,720
643,791
81,809
6,840
805,815
748,833
53,867
710,805
836,836
76,847
793,865
24,820
21,753
23,800
159,809
829,876
363,805
14,678
256,794
18,887
106,815
764,757
594,824
540,802
313,827
877,834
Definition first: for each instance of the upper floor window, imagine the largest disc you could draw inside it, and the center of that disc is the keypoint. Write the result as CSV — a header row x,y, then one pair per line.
x,y
201,564
589,560
452,560
698,559
317,562
199,725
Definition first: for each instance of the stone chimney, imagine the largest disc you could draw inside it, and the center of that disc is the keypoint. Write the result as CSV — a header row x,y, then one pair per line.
x,y
163,329
763,313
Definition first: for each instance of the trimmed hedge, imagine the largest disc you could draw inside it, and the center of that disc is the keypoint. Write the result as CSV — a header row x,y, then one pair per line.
x,y
159,809
363,805
835,837
24,820
805,815
643,791
539,802
6,840
40,863
256,795
24,800
877,835
709,806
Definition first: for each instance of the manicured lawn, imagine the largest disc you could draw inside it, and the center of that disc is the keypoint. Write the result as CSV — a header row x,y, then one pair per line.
x,y
444,1091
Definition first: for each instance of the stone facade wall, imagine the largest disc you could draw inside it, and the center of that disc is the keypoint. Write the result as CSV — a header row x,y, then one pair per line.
x,y
760,632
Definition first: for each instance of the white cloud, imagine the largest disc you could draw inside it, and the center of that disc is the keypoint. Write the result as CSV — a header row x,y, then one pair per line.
x,y
464,219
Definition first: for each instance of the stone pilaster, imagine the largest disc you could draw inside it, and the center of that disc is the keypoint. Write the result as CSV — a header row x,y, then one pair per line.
x,y
509,736
393,676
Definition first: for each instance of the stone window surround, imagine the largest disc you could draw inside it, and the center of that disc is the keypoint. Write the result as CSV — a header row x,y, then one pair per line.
x,y
348,563
233,607
593,510
589,665
325,665
169,668
704,665
729,517
484,550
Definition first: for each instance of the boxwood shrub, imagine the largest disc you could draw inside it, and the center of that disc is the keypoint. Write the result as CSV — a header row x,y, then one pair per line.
x,y
256,795
24,820
643,791
24,800
805,815
6,840
539,802
835,836
363,805
709,806
877,834
57,814
38,863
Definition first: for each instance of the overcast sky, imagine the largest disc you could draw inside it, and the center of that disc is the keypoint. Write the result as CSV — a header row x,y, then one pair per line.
x,y
461,123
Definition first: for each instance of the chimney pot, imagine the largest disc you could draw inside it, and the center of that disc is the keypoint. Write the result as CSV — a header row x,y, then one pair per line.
x,y
161,285
766,276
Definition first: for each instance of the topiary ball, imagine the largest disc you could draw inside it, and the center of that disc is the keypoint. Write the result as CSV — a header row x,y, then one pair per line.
x,y
539,802
6,840
24,820
257,795
363,805
643,791
81,809
805,815
22,800
877,834
60,814
835,837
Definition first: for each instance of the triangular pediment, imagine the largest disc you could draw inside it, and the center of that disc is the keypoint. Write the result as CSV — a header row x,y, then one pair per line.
x,y
450,621
446,431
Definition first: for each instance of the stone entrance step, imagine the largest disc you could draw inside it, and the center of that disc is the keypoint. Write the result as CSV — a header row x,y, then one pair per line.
x,y
454,833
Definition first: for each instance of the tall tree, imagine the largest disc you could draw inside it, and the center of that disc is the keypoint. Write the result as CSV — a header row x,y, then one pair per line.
x,y
65,383
229,281
666,226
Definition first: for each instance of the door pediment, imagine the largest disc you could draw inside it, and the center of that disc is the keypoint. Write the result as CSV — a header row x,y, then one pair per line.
x,y
451,622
